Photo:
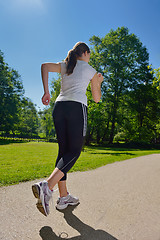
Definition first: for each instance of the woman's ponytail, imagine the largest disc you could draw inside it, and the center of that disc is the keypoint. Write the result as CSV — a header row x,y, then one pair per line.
x,y
71,61
77,51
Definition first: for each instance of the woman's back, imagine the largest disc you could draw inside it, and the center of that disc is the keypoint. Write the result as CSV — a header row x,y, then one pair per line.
x,y
73,86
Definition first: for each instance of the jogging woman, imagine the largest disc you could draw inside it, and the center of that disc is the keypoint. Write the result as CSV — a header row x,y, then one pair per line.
x,y
70,120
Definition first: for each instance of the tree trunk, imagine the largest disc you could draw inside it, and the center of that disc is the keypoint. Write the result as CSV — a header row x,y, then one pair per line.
x,y
98,136
106,131
113,122
112,130
88,137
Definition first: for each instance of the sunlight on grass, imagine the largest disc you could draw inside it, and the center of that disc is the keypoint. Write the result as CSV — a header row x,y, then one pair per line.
x,y
27,161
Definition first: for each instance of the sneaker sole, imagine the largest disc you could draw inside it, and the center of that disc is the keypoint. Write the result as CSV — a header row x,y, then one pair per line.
x,y
36,191
66,205
40,207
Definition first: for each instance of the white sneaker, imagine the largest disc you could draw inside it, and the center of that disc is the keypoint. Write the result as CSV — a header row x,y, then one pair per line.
x,y
63,202
44,194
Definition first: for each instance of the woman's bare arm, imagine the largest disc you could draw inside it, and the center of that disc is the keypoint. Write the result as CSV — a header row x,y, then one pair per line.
x,y
45,69
96,86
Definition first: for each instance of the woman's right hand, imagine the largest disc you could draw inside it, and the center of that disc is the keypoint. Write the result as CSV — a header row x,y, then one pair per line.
x,y
46,98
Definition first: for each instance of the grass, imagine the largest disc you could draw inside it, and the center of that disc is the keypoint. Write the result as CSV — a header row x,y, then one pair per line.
x,y
21,162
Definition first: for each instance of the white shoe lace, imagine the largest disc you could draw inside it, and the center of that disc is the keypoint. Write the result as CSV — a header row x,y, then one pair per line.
x,y
51,196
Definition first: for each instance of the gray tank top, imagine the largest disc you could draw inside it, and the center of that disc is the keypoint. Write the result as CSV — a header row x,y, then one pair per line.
x,y
73,86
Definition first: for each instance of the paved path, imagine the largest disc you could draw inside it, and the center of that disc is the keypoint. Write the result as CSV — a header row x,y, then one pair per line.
x,y
118,201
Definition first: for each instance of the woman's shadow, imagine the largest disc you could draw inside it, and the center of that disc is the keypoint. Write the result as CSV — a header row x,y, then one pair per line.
x,y
86,232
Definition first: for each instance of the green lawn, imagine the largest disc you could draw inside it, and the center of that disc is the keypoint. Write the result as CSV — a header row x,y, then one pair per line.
x,y
27,161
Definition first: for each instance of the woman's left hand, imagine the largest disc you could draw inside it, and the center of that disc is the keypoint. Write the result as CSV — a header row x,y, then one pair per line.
x,y
100,78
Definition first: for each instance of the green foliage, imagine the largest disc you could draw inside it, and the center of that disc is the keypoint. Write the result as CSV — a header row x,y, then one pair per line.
x,y
28,119
11,92
55,89
97,115
18,115
130,102
46,123
156,80
138,115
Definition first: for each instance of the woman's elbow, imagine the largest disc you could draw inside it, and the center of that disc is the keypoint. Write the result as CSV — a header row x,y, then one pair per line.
x,y
44,66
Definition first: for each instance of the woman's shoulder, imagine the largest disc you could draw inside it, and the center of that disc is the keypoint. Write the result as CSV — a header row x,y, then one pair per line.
x,y
86,65
91,69
88,70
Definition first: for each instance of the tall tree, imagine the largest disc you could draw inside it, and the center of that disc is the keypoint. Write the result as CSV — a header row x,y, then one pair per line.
x,y
28,119
139,114
11,93
123,60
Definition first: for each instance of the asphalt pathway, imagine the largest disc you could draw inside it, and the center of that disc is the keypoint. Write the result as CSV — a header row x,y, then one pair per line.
x,y
120,201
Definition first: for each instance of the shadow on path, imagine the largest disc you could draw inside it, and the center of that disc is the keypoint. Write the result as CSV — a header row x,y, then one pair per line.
x,y
86,231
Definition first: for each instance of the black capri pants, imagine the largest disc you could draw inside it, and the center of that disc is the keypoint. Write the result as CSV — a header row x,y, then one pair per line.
x,y
70,120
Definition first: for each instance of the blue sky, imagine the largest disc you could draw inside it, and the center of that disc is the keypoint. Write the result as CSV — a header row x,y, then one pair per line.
x,y
37,31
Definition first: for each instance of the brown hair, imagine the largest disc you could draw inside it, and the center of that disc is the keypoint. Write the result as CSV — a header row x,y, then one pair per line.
x,y
77,51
